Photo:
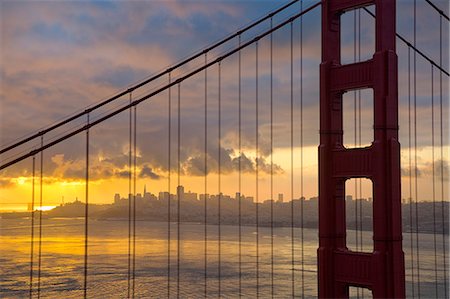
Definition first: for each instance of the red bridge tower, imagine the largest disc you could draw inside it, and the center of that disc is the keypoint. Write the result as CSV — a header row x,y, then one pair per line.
x,y
382,270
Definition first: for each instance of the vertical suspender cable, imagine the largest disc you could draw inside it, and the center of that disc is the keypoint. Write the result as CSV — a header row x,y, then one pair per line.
x,y
433,184
355,138
292,164
257,172
219,180
32,227
302,197
410,176
134,204
359,142
40,218
415,154
271,157
130,198
444,237
179,189
206,177
240,172
86,211
169,147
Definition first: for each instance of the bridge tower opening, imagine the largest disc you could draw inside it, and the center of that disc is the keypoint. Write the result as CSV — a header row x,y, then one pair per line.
x,y
381,271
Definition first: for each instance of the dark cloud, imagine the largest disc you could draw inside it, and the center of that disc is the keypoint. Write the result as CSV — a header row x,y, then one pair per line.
x,y
147,172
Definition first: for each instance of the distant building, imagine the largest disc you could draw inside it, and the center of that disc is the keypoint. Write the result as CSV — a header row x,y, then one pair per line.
x,y
202,197
180,192
280,198
249,199
189,196
163,196
116,198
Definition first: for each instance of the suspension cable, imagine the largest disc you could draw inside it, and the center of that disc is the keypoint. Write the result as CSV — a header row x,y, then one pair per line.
x,y
416,50
240,170
130,196
434,184
271,159
302,195
169,148
32,226
416,188
40,218
86,212
292,164
257,169
444,236
134,204
206,180
411,230
355,138
219,120
179,189
440,11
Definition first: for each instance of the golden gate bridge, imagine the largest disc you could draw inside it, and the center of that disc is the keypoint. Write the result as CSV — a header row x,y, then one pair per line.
x,y
343,163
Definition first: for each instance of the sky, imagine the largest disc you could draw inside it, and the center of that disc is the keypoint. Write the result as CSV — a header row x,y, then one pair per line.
x,y
58,58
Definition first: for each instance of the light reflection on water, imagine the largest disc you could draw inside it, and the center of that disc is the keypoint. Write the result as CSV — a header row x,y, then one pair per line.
x,y
63,250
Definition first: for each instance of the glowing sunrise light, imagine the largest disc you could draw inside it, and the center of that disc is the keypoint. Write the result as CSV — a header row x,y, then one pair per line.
x,y
21,180
45,208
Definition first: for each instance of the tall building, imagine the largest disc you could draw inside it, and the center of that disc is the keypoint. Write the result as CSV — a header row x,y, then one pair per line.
x,y
280,198
180,192
116,198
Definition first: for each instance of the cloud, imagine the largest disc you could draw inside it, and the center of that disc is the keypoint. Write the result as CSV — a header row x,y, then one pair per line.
x,y
147,172
6,183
